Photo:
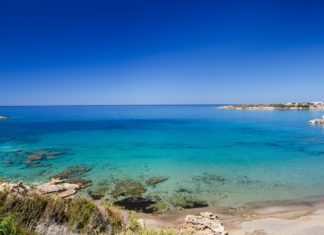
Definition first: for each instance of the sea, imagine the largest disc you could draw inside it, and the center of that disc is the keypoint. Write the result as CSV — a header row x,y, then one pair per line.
x,y
221,157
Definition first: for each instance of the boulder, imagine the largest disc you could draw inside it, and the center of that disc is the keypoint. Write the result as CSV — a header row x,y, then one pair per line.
x,y
204,224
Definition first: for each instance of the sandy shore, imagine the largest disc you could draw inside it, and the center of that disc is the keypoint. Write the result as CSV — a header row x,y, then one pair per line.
x,y
275,218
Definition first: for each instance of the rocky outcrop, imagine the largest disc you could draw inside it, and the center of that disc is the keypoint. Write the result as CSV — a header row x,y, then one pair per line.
x,y
56,187
317,121
18,188
3,117
59,187
204,224
71,172
41,154
53,229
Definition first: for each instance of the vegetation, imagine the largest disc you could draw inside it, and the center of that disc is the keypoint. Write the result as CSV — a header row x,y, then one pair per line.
x,y
77,215
22,215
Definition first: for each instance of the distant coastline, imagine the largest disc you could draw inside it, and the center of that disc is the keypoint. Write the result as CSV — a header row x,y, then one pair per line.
x,y
287,106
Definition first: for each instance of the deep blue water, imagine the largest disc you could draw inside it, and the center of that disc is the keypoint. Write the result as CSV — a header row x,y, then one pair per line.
x,y
225,157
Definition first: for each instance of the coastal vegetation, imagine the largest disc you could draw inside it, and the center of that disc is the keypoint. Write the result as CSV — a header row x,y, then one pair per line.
x,y
39,214
27,211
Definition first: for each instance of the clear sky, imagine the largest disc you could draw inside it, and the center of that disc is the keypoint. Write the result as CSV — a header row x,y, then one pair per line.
x,y
161,51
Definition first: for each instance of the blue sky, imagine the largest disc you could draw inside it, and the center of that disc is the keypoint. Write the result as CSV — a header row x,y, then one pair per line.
x,y
161,52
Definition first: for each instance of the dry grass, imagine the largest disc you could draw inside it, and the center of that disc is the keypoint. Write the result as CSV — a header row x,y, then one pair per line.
x,y
20,215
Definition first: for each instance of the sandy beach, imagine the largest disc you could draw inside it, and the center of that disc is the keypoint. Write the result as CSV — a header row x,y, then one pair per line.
x,y
275,218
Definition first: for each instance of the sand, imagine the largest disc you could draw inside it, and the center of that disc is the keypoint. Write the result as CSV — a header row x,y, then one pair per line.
x,y
273,218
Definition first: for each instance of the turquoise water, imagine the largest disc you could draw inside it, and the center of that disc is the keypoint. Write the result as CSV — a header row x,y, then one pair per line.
x,y
225,157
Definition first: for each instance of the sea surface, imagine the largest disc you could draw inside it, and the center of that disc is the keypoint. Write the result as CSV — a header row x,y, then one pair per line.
x,y
223,157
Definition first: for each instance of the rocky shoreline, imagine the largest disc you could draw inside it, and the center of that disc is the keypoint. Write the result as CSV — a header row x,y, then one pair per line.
x,y
131,194
287,106
46,196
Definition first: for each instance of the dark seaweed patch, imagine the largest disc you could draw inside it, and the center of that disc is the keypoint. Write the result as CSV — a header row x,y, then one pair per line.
x,y
210,179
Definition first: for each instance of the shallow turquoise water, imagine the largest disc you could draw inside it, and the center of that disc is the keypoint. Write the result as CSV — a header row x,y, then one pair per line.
x,y
226,157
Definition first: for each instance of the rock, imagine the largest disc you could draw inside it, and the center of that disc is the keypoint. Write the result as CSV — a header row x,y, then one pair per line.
x,y
84,183
189,203
53,229
141,223
71,172
63,184
3,117
62,188
204,224
71,190
155,180
128,188
19,187
55,186
317,121
98,193
34,157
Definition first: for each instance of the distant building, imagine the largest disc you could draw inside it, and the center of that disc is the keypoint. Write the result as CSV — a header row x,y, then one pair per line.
x,y
318,103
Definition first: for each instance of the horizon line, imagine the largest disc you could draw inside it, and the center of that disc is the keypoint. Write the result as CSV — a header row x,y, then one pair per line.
x,y
54,105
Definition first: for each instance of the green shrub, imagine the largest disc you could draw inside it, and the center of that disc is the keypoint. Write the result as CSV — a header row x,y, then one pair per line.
x,y
8,225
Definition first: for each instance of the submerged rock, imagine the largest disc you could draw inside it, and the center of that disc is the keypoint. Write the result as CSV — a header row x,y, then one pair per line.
x,y
183,190
34,158
210,179
98,193
84,183
155,180
71,172
128,188
189,203
159,207
204,224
